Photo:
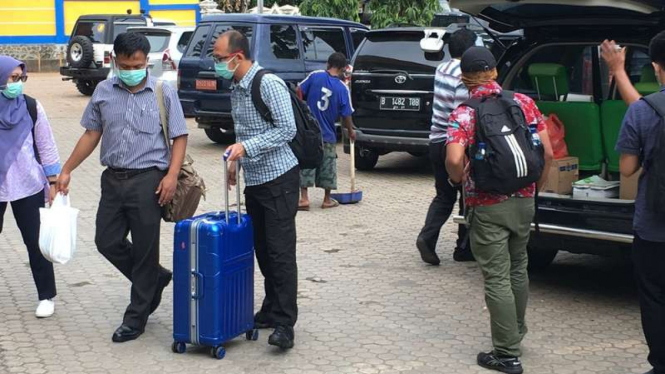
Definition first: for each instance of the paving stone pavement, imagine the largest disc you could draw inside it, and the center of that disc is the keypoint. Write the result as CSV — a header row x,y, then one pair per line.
x,y
367,302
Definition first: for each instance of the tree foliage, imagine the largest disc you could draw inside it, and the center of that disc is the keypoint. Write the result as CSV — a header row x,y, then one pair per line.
x,y
270,3
415,12
233,6
342,9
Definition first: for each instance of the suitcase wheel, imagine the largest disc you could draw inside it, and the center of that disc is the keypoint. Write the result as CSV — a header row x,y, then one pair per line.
x,y
178,347
218,352
252,335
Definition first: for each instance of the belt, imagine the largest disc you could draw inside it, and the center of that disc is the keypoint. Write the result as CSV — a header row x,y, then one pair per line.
x,y
129,173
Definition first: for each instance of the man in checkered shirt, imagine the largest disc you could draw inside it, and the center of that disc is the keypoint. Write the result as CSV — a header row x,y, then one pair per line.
x,y
271,178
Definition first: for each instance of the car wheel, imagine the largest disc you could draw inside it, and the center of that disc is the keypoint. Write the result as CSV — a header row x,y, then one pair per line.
x,y
217,136
366,159
80,52
540,258
86,87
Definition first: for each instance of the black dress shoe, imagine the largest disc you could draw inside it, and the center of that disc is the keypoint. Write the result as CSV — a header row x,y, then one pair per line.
x,y
282,337
426,253
463,255
165,277
125,333
504,364
262,321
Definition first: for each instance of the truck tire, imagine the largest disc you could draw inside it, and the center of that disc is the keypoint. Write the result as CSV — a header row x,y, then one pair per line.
x,y
540,258
86,87
80,52
366,159
217,136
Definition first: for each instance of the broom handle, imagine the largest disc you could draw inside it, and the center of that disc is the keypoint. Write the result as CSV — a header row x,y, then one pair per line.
x,y
353,165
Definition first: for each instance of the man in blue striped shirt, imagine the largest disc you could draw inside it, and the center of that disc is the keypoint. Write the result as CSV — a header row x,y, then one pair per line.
x,y
449,92
140,175
271,178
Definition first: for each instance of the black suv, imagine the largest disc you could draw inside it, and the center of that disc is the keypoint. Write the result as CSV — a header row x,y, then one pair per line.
x,y
558,65
290,46
392,87
90,47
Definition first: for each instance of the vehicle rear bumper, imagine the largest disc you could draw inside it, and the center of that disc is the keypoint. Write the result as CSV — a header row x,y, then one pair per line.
x,y
572,232
79,73
390,143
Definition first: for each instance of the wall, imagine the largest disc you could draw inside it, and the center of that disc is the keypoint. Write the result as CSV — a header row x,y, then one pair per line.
x,y
37,31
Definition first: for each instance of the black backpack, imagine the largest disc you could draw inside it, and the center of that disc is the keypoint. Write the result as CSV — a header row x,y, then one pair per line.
x,y
654,163
511,161
32,110
307,145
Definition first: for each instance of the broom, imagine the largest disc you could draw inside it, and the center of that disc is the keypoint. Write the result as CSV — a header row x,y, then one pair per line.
x,y
355,195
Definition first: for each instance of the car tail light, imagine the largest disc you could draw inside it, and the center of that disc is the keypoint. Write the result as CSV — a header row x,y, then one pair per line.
x,y
167,61
107,57
179,77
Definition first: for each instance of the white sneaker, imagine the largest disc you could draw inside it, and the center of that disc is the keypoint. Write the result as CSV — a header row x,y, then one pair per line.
x,y
45,309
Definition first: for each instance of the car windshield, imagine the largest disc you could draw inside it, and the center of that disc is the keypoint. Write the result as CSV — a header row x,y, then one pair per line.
x,y
159,41
121,26
95,30
397,50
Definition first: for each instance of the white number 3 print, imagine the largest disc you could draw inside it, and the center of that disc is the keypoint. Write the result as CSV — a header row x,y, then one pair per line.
x,y
324,103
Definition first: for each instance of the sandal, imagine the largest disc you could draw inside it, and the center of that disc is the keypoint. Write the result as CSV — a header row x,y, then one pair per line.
x,y
303,208
334,204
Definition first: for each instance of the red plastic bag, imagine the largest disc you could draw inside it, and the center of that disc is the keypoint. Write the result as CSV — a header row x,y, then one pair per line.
x,y
556,131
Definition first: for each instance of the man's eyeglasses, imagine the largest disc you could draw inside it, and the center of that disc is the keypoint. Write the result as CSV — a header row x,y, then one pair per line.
x,y
220,59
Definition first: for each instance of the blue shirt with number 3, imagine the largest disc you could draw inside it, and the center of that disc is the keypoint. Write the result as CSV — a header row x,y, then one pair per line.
x,y
328,98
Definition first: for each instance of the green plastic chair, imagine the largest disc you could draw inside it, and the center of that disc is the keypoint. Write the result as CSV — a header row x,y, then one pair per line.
x,y
612,113
583,134
549,80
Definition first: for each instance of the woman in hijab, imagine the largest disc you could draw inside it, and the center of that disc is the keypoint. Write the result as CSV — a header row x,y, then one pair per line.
x,y
29,166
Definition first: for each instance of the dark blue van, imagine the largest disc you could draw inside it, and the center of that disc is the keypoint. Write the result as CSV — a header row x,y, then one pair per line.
x,y
290,46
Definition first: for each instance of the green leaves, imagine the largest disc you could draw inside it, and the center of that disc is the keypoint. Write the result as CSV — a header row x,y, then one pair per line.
x,y
342,9
414,12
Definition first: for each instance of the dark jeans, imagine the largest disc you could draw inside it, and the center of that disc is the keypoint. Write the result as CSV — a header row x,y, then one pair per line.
x,y
443,203
26,214
131,205
648,258
273,207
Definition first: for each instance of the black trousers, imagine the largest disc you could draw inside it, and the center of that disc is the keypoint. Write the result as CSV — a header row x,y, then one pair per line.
x,y
273,207
442,206
131,205
26,213
648,258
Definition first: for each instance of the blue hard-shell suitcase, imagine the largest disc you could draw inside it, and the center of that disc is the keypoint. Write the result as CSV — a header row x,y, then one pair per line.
x,y
213,280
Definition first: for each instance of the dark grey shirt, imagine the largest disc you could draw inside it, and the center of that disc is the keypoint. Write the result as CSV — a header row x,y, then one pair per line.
x,y
638,136
130,124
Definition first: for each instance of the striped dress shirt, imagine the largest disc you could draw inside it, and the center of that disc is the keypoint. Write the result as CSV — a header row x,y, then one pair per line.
x,y
130,124
266,144
449,93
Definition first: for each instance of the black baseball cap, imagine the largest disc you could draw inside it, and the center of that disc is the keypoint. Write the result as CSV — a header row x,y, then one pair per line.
x,y
477,59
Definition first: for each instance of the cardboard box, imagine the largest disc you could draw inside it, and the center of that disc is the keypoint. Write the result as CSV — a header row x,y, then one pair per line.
x,y
596,187
628,186
562,174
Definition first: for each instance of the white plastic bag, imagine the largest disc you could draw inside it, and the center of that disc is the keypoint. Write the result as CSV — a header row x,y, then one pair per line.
x,y
57,233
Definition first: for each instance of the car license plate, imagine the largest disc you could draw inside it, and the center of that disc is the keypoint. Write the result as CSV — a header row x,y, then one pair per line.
x,y
206,84
400,103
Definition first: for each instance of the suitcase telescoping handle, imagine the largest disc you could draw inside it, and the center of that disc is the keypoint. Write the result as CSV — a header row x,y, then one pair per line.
x,y
226,189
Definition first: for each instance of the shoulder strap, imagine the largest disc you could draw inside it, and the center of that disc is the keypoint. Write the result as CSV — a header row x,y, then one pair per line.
x,y
510,95
473,102
260,105
657,102
31,103
162,113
